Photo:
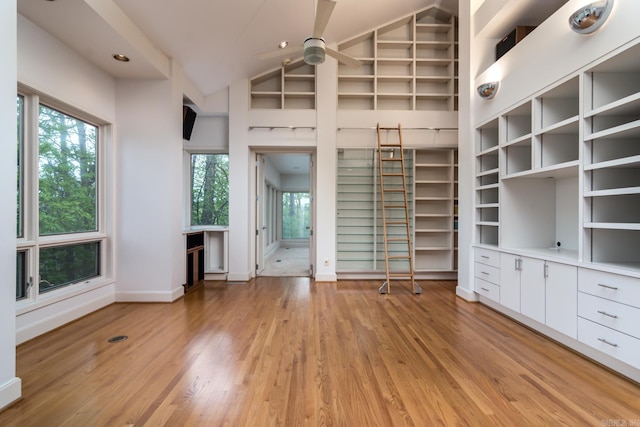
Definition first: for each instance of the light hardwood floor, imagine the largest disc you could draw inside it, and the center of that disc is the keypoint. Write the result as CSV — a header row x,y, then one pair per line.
x,y
291,352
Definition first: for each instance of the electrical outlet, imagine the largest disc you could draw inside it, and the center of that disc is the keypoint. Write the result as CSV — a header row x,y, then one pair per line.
x,y
326,262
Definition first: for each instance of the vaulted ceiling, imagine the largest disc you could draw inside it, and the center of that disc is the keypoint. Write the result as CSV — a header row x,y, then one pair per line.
x,y
215,41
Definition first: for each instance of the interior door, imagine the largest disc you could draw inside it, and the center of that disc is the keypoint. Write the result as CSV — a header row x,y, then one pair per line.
x,y
261,227
312,208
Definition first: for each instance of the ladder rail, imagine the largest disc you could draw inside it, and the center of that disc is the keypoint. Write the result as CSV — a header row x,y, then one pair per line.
x,y
395,205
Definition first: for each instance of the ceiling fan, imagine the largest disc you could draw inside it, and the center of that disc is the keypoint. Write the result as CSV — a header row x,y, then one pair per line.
x,y
314,48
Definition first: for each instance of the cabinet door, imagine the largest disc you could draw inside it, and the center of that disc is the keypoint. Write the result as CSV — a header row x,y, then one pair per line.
x,y
532,294
562,298
510,281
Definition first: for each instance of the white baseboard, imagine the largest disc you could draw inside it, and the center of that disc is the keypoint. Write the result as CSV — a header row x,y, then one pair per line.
x,y
238,277
150,296
466,294
326,278
50,322
10,392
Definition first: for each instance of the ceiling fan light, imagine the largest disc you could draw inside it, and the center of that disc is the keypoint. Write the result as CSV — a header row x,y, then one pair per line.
x,y
314,51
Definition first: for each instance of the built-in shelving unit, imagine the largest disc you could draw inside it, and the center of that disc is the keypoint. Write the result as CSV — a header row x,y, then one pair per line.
x,y
487,183
409,64
612,161
432,191
557,185
289,87
435,205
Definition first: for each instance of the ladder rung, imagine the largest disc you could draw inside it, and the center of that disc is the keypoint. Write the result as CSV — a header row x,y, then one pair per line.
x,y
392,174
389,128
406,275
398,239
399,257
394,206
393,190
396,222
391,159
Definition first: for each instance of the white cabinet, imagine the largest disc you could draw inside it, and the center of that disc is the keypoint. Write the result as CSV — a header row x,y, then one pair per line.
x,y
561,292
532,288
609,314
510,268
487,273
542,290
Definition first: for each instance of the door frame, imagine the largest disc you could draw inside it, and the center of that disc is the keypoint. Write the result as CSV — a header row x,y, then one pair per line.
x,y
255,205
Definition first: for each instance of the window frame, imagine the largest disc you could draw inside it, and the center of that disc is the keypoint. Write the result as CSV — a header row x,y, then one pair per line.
x,y
30,241
189,186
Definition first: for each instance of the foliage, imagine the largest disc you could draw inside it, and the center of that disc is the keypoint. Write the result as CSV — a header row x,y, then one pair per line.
x,y
209,189
295,215
67,174
63,265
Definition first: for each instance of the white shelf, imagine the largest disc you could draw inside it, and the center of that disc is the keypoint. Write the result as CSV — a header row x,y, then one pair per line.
x,y
613,225
613,192
626,162
563,170
629,104
627,130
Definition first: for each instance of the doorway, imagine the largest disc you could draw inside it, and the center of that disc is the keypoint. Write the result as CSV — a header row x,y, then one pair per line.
x,y
284,214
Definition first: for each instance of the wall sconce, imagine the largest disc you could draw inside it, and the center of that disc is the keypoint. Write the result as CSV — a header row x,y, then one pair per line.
x,y
488,90
588,19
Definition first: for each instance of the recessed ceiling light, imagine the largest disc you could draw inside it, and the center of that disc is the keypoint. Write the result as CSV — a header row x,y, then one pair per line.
x,y
120,57
283,44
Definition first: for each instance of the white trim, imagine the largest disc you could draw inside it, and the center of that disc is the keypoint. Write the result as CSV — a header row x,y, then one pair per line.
x,y
466,294
150,296
61,318
10,392
239,277
326,278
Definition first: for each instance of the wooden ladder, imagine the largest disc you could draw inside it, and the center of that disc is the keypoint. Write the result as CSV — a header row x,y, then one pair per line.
x,y
396,225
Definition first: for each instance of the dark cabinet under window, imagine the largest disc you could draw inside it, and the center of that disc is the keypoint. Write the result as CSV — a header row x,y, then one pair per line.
x,y
195,260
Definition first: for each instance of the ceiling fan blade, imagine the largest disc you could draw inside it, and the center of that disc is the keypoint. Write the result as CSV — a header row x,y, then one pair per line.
x,y
323,13
345,59
280,52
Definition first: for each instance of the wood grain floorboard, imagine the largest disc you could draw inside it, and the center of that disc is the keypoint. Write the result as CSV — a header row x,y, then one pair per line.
x,y
292,352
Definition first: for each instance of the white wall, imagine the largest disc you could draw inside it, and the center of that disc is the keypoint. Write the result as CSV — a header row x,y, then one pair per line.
x,y
150,255
10,385
209,133
48,66
532,65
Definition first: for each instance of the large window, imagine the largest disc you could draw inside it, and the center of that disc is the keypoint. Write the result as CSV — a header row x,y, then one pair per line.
x,y
295,215
67,173
209,189
58,227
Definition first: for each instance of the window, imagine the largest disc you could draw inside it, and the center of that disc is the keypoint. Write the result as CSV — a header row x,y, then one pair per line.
x,y
295,215
59,237
20,161
67,174
64,265
209,189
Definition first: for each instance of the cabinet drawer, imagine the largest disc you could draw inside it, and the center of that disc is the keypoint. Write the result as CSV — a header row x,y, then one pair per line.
x,y
487,272
487,289
620,317
486,256
613,343
610,286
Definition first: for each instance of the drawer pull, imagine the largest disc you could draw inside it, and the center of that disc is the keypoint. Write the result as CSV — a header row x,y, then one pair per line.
x,y
485,289
604,313
484,256
607,287
607,342
485,273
